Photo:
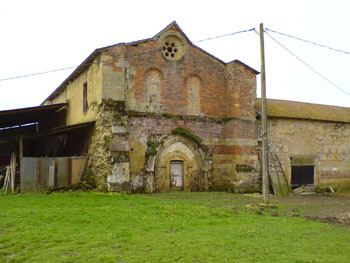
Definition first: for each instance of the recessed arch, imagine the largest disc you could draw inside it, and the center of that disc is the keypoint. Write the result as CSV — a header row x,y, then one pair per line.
x,y
178,148
193,85
153,78
150,69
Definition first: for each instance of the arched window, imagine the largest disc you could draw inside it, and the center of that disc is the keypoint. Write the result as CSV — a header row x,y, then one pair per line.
x,y
153,89
193,84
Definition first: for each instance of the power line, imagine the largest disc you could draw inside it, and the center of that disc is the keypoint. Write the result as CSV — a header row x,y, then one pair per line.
x,y
307,41
120,56
39,73
226,35
311,68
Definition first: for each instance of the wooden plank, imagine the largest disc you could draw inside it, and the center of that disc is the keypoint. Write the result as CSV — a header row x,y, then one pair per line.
x,y
13,172
20,157
276,174
29,177
6,176
62,175
69,171
79,165
39,174
278,183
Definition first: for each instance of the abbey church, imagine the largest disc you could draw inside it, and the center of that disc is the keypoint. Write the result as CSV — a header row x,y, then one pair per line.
x,y
161,114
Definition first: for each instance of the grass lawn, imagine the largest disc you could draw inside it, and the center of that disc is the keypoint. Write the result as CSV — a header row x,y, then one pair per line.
x,y
171,227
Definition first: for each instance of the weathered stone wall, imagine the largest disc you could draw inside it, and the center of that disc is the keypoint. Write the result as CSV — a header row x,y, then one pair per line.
x,y
73,94
138,96
222,161
155,129
328,142
237,148
198,85
100,162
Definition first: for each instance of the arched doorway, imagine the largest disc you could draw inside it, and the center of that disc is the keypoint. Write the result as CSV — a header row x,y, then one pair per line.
x,y
178,165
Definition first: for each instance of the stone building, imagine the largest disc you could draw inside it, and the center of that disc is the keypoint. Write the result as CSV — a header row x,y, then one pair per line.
x,y
311,141
167,115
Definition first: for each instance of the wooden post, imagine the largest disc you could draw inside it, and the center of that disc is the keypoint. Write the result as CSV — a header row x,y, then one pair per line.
x,y
13,171
20,158
265,176
6,176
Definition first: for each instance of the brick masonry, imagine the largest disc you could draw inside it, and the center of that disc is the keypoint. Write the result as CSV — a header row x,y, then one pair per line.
x,y
199,89
137,97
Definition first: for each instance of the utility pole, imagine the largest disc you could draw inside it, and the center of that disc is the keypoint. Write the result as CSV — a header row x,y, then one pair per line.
x,y
265,176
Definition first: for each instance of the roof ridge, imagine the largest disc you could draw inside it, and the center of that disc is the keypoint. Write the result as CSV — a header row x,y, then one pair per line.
x,y
305,110
170,26
302,102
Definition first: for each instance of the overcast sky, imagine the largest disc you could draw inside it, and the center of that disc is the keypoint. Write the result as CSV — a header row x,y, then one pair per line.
x,y
38,36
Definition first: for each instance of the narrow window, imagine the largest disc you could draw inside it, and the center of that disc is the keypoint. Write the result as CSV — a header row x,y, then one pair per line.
x,y
153,86
85,100
193,84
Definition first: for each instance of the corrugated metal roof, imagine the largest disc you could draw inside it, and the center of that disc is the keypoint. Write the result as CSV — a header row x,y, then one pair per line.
x,y
48,133
23,116
302,110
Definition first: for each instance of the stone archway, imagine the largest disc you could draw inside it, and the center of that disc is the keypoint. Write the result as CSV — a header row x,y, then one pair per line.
x,y
176,149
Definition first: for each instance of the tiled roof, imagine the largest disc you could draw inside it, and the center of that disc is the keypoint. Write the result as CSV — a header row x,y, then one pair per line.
x,y
301,110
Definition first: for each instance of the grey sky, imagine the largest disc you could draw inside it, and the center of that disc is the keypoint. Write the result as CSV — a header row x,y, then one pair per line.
x,y
38,36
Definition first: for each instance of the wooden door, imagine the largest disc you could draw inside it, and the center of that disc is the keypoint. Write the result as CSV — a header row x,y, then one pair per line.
x,y
302,175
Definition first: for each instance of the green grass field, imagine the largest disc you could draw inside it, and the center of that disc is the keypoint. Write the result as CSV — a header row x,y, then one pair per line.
x,y
172,227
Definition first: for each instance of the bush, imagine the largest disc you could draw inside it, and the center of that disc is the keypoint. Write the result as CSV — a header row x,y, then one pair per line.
x,y
187,134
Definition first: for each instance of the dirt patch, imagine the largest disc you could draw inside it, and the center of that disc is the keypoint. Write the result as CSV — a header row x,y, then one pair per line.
x,y
328,208
331,220
10,256
170,231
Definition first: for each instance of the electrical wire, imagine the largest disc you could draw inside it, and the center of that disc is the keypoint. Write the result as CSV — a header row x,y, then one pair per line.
x,y
120,57
307,41
307,65
226,35
39,73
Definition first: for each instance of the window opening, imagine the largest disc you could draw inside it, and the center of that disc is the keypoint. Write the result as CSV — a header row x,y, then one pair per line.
x,y
172,46
85,99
